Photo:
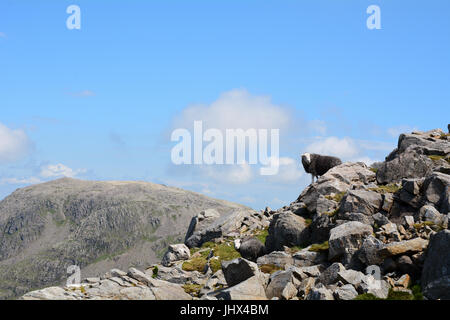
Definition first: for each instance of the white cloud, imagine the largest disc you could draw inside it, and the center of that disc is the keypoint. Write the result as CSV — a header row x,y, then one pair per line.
x,y
14,144
59,170
237,109
345,148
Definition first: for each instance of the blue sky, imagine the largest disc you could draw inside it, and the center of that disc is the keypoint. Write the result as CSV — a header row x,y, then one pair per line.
x,y
100,102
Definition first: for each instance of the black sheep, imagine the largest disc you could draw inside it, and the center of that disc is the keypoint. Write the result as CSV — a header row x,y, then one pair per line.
x,y
317,165
250,248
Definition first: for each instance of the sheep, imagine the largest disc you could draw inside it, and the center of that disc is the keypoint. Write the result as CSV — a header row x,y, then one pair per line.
x,y
250,248
317,165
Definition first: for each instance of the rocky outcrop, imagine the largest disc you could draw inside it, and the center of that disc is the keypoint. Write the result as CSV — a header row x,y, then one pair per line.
x,y
357,232
97,226
176,252
436,270
134,285
286,229
412,158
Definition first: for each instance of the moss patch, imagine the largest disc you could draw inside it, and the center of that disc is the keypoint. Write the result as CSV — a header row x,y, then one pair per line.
x,y
337,197
195,264
389,188
155,272
192,289
269,268
221,251
367,296
318,247
332,213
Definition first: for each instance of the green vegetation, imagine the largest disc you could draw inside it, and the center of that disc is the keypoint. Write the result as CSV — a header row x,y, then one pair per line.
x,y
155,272
337,197
332,213
192,289
269,268
437,158
195,264
221,252
318,247
374,170
435,226
308,221
261,235
367,296
294,249
417,292
389,188
395,295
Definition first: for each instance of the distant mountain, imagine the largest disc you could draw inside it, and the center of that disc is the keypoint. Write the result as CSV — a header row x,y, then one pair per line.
x,y
96,225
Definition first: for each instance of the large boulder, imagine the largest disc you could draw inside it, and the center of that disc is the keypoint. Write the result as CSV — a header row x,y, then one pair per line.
x,y
436,190
320,293
208,226
286,229
346,239
336,181
162,290
330,275
283,284
238,270
250,289
369,251
346,292
176,252
362,201
319,229
412,159
306,258
279,259
436,270
403,247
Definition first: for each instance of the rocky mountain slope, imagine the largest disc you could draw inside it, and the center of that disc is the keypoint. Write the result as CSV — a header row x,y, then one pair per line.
x,y
96,225
359,232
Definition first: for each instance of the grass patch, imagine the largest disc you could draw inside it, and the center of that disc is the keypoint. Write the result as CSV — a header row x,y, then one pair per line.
x,y
437,158
374,170
417,292
222,252
395,295
435,226
337,197
389,188
195,264
367,296
155,272
332,213
308,221
294,249
269,268
444,136
261,235
399,295
192,289
319,247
